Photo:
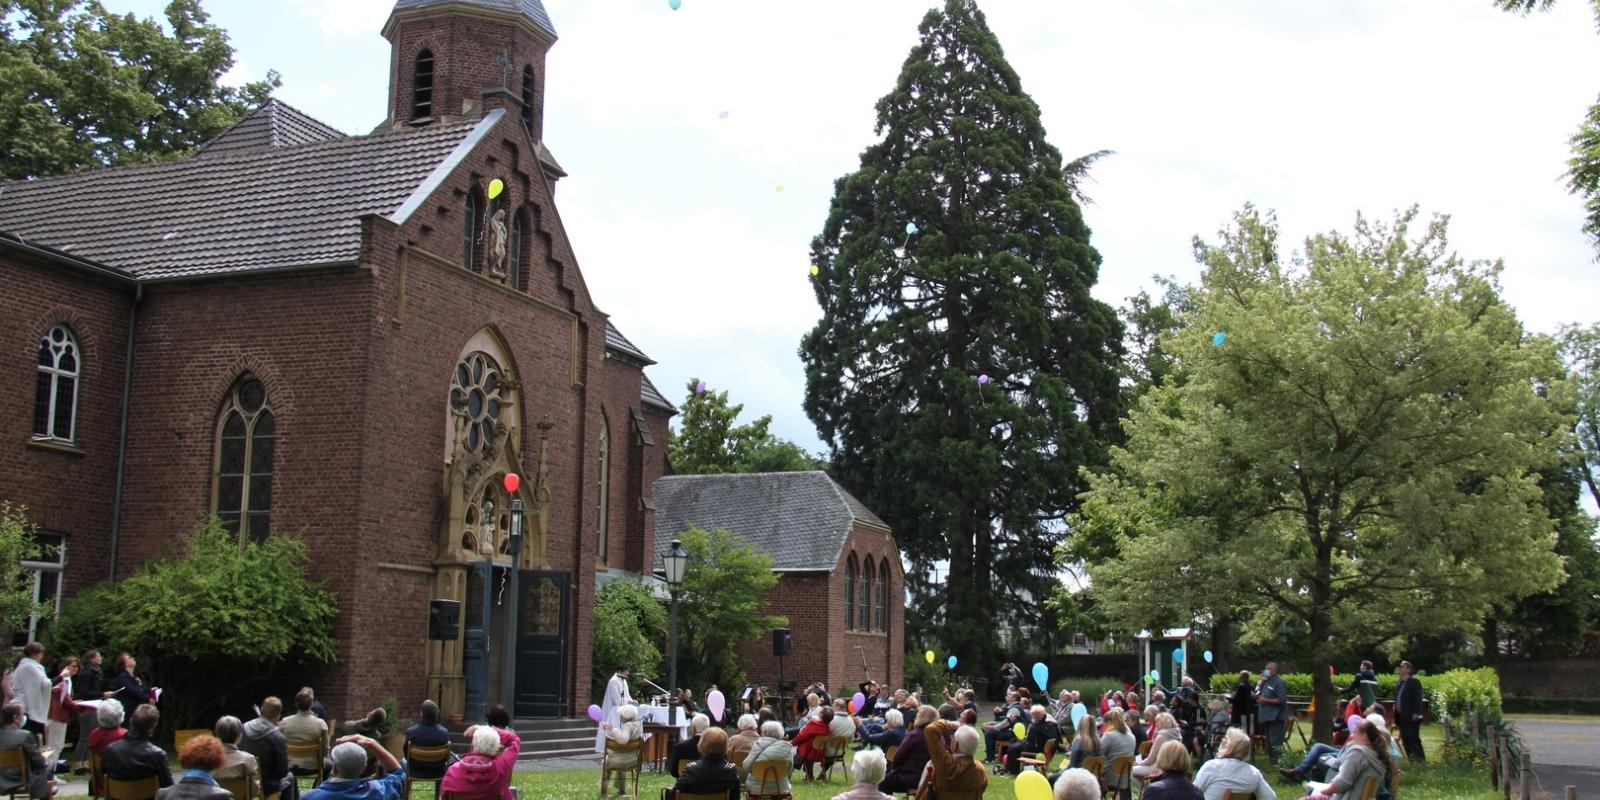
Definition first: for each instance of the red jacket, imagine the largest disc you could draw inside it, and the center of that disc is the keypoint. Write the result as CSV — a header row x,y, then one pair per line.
x,y
811,741
62,709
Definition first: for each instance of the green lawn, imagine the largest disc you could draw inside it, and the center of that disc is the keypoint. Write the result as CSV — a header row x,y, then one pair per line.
x,y
1435,781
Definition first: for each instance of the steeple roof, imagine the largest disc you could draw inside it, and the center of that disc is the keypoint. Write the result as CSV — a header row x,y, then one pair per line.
x,y
532,9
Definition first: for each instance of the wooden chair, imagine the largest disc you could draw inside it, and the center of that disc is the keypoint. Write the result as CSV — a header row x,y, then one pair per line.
x,y
1144,749
606,769
16,759
1371,789
888,755
1042,761
317,750
833,752
427,756
1096,765
1121,769
771,774
240,788
182,737
97,776
142,789
1230,794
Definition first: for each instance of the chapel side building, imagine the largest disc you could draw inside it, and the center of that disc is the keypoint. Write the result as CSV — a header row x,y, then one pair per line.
x,y
344,339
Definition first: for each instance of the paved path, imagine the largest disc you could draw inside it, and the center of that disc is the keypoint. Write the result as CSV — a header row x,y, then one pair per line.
x,y
1565,753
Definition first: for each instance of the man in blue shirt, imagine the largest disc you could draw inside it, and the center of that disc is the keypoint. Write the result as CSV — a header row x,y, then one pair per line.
x,y
1272,708
349,761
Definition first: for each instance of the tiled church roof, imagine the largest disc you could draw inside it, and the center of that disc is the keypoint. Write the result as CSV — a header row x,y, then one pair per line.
x,y
533,9
801,519
651,396
616,341
274,124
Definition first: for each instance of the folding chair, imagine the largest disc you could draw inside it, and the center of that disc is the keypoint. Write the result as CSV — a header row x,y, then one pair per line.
x,y
16,759
1144,748
1121,769
1371,789
1042,763
240,788
97,776
317,750
142,789
438,756
833,753
770,773
182,737
606,769
1229,794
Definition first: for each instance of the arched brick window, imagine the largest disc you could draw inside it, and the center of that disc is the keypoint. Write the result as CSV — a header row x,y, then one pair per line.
x,y
422,85
850,570
242,487
883,596
603,513
471,215
519,225
864,591
527,98
55,397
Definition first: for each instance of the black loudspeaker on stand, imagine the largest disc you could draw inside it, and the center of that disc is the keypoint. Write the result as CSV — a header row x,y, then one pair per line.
x,y
444,618
782,644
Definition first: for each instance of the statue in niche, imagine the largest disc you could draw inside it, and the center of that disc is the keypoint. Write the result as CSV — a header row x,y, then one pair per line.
x,y
497,244
486,525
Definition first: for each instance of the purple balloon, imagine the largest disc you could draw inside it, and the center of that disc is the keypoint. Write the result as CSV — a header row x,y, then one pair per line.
x,y
1353,723
983,380
700,388
596,714
861,702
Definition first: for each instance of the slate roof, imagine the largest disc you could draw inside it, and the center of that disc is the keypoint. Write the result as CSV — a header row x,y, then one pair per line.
x,y
800,518
533,9
616,341
274,124
651,396
232,212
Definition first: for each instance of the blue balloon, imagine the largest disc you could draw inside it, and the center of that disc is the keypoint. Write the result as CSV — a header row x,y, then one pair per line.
x,y
951,661
1207,655
1041,676
1216,341
1078,712
1177,656
1155,673
911,227
674,4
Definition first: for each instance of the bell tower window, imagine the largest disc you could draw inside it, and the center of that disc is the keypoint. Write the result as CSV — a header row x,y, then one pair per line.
x,y
527,99
422,86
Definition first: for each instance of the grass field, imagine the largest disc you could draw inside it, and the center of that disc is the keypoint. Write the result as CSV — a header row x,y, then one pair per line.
x,y
1435,781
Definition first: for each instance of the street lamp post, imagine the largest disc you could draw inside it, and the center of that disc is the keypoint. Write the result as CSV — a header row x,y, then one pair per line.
x,y
673,563
513,547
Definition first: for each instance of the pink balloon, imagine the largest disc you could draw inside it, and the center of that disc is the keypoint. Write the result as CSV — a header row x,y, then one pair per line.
x,y
860,700
716,703
596,714
1353,723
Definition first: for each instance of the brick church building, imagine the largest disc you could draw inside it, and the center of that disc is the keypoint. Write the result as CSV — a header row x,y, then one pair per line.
x,y
352,340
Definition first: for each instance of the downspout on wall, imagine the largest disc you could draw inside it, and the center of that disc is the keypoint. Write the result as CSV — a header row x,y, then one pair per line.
x,y
122,428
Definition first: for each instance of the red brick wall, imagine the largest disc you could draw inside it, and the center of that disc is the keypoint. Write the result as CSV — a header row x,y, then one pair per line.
x,y
466,50
883,652
65,492
803,597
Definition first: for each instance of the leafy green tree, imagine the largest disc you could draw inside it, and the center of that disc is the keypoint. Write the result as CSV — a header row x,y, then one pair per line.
x,y
81,87
708,442
961,373
628,623
17,541
719,606
1361,454
214,616
1580,349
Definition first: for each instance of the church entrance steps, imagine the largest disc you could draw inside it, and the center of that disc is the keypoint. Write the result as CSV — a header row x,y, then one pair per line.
x,y
565,737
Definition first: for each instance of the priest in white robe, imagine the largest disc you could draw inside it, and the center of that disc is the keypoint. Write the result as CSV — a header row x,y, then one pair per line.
x,y
617,696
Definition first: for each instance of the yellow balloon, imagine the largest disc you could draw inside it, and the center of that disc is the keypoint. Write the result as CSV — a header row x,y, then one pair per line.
x,y
496,186
928,655
1032,785
814,270
780,187
1021,732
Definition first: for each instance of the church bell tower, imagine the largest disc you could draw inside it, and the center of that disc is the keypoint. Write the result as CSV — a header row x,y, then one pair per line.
x,y
447,55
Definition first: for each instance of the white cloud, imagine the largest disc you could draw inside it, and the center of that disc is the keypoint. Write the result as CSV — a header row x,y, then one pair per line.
x,y
345,17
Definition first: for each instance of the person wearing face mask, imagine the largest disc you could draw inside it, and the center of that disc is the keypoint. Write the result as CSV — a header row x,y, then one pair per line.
x,y
1272,708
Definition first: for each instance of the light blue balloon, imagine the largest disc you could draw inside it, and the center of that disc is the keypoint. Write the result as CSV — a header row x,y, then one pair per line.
x,y
1078,712
1155,673
674,4
1041,676
911,227
1177,656
1217,340
1207,655
951,661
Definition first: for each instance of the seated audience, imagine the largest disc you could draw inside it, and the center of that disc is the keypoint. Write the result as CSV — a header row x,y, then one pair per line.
x,y
1365,759
263,740
1136,727
740,743
1042,731
1086,743
628,730
905,771
712,773
890,734
771,747
134,757
1076,784
1231,771
1166,730
811,741
1116,742
427,732
1172,781
843,724
349,758
868,769
485,771
199,757
304,727
688,749
108,720
14,737
954,768
236,763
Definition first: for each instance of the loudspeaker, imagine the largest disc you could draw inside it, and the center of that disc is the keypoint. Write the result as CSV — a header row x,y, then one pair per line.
x,y
781,643
443,620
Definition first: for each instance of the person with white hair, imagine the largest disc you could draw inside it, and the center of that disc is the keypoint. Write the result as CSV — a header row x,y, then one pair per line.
x,y
108,718
1076,784
688,749
485,771
771,747
349,759
740,743
868,768
627,731
891,734
954,768
1231,771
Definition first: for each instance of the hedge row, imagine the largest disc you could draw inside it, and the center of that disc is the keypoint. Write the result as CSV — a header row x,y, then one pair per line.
x,y
1450,694
1300,683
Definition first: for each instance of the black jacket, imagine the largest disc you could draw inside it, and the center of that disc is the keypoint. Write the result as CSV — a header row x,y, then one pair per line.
x,y
1045,730
1172,787
688,749
87,685
710,775
133,758
263,740
1244,701
131,693
1408,701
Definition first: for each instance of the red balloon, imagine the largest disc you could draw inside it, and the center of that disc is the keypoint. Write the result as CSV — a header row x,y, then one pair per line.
x,y
1330,669
512,481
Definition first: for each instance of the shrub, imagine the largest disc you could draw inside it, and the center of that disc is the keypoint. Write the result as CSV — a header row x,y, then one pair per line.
x,y
628,621
1090,689
85,623
1450,694
1300,683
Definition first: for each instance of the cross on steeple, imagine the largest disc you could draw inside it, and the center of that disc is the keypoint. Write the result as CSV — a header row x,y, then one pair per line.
x,y
505,69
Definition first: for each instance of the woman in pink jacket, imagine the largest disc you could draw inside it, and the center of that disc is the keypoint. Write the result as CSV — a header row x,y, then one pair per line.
x,y
486,771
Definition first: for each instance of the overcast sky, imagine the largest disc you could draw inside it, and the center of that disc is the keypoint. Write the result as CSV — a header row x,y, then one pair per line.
x,y
1315,108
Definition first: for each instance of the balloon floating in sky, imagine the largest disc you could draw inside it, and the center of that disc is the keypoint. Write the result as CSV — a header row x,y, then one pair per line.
x,y
496,186
1148,680
512,481
596,714
700,388
911,227
983,380
950,662
1155,673
675,4
1217,340
779,188
814,270
723,115
1207,656
929,656
1041,675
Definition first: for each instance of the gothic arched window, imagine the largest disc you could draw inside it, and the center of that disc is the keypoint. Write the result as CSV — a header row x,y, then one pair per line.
x,y
850,571
864,605
242,490
514,250
883,596
527,98
603,514
475,394
422,85
55,397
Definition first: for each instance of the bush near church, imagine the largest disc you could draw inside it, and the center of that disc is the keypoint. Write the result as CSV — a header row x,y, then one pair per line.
x,y
1451,694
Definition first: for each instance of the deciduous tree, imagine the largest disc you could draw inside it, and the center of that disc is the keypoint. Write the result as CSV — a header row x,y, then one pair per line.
x,y
719,606
708,440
